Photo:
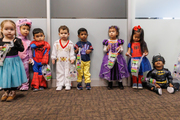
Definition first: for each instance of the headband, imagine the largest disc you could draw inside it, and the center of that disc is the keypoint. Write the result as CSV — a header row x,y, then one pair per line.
x,y
136,28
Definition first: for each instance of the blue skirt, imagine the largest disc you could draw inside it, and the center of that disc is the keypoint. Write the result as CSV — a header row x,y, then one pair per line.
x,y
145,65
12,73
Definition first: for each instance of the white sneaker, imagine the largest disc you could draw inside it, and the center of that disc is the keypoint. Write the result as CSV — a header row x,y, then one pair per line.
x,y
59,88
68,87
159,91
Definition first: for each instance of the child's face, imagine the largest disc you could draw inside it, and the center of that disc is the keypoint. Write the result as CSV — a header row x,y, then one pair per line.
x,y
136,37
63,34
158,64
8,30
83,35
113,33
39,37
24,30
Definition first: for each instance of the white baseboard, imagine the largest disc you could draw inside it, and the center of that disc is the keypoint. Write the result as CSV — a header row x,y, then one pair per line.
x,y
94,82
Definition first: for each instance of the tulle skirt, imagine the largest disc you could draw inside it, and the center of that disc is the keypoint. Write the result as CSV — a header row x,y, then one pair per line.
x,y
12,73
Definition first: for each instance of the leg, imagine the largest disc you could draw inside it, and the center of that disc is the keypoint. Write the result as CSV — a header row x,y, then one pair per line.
x,y
60,73
87,74
25,86
42,81
79,79
110,83
120,85
140,82
134,79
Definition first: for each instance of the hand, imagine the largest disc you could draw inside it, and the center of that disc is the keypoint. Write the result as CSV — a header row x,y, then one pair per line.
x,y
108,47
1,47
53,61
14,40
157,86
145,53
128,54
88,51
170,85
118,48
30,61
72,61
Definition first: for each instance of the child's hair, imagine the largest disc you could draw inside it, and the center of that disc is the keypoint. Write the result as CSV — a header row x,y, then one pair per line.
x,y
37,30
12,22
138,29
117,29
63,27
82,30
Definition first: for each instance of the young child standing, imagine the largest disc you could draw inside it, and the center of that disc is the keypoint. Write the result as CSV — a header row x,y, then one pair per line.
x,y
136,48
23,28
63,54
12,73
119,70
86,48
40,57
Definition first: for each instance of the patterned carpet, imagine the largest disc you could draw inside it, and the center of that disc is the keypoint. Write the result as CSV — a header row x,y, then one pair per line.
x,y
96,104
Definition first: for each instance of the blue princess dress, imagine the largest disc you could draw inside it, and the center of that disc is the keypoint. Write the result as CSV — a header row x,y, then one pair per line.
x,y
119,70
12,73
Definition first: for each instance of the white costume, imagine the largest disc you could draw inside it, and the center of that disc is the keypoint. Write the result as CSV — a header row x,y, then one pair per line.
x,y
63,55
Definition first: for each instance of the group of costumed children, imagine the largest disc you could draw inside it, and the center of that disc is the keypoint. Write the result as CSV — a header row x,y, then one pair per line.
x,y
18,52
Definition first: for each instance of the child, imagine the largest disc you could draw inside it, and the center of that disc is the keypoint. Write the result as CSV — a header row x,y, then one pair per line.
x,y
63,53
23,28
86,49
119,69
12,73
136,48
161,75
40,57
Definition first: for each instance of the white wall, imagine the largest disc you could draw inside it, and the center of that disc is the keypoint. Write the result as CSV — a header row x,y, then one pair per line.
x,y
157,8
161,36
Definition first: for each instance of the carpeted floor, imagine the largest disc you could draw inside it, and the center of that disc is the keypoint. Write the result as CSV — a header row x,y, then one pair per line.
x,y
96,104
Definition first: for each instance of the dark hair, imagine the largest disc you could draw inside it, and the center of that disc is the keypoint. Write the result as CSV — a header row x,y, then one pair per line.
x,y
157,58
63,27
142,42
37,30
82,30
117,29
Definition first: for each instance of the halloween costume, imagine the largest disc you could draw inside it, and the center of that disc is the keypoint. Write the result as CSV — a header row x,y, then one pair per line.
x,y
63,55
40,57
119,70
85,61
27,53
12,73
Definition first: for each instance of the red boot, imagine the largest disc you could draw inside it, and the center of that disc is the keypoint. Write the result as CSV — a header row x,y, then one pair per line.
x,y
140,82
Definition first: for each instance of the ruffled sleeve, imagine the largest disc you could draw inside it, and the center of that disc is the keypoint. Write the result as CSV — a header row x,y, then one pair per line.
x,y
120,42
105,42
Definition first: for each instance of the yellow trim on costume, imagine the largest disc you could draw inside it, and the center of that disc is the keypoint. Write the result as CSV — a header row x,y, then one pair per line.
x,y
161,82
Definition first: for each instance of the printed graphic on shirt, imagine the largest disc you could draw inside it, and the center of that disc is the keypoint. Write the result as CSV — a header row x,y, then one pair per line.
x,y
84,48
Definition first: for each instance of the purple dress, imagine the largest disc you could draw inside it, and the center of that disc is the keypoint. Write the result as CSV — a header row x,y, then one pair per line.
x,y
119,70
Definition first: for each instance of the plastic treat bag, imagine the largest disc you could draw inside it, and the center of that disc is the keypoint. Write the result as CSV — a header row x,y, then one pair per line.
x,y
176,71
78,60
4,51
135,66
72,73
112,58
46,72
150,80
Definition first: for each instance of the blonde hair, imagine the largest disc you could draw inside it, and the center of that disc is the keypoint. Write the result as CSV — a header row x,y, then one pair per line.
x,y
12,22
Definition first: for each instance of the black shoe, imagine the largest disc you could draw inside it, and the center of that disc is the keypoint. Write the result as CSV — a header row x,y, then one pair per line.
x,y
120,85
109,85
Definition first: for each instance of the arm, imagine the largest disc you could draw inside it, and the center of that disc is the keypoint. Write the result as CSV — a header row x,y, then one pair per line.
x,y
54,54
76,48
72,56
90,49
170,78
45,58
129,50
18,45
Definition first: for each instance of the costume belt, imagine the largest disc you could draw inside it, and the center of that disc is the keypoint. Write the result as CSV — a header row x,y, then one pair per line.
x,y
117,53
161,82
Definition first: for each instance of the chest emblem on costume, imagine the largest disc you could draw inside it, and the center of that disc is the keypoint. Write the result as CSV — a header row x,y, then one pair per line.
x,y
136,47
160,72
